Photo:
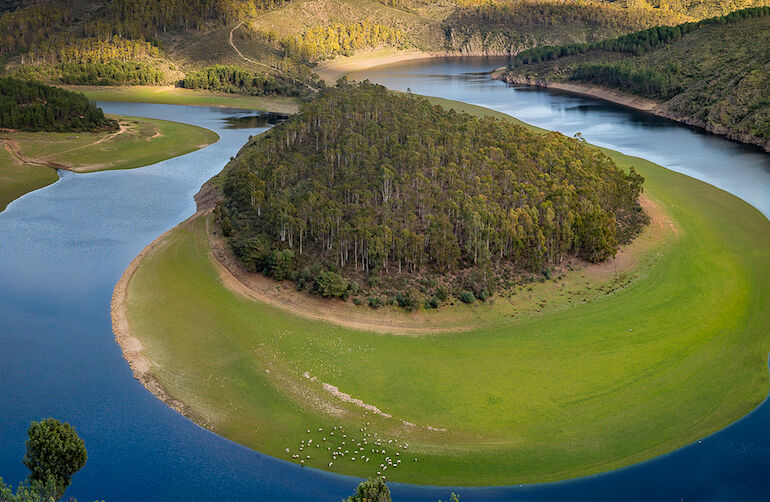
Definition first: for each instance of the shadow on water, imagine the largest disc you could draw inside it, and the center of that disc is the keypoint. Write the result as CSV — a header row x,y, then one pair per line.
x,y
254,121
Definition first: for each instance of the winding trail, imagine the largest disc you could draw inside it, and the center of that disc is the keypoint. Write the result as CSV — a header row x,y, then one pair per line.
x,y
253,61
14,150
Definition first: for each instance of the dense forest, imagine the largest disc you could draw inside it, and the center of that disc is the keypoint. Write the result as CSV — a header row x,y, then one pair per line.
x,y
368,185
140,18
326,42
233,79
712,74
636,43
510,27
36,107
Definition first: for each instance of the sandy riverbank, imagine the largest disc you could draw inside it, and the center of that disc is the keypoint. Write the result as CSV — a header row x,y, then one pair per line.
x,y
341,66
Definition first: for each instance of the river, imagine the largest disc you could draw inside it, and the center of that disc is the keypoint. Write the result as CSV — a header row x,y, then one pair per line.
x,y
63,248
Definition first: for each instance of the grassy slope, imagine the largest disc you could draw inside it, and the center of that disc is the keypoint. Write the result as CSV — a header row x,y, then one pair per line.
x,y
178,96
723,69
137,147
541,398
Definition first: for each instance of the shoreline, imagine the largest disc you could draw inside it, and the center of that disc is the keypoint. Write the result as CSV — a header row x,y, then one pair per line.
x,y
342,66
636,103
129,345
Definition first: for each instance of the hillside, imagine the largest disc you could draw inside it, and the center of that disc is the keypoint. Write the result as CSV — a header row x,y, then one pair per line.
x,y
384,190
121,42
713,74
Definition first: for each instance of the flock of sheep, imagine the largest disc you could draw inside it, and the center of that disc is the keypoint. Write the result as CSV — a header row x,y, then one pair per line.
x,y
368,448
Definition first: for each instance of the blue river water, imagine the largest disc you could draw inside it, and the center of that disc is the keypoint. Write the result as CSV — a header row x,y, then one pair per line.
x,y
63,248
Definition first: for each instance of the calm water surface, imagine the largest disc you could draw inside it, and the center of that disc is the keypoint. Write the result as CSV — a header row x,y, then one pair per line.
x,y
63,248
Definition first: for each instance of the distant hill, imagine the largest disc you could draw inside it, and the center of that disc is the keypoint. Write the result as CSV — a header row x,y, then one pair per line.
x,y
713,74
131,42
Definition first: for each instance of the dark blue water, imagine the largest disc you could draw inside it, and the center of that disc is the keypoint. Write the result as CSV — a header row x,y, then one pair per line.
x,y
63,248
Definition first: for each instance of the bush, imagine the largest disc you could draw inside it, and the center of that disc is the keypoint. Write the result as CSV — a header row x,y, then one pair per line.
x,y
406,300
375,301
280,264
442,293
331,284
433,303
467,297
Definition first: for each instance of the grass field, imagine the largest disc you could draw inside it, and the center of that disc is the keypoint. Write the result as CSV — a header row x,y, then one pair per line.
x,y
613,379
17,179
28,159
178,96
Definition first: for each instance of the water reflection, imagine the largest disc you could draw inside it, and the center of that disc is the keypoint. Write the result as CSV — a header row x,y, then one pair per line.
x,y
254,121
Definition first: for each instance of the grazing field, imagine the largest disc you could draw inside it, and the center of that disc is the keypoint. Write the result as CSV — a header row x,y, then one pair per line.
x,y
605,380
28,159
178,96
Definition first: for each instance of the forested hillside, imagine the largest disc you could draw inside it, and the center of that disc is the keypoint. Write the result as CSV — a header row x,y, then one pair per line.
x,y
379,189
35,107
152,42
713,74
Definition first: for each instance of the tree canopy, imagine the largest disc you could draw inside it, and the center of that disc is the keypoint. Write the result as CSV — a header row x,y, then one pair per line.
x,y
371,490
33,106
366,182
54,451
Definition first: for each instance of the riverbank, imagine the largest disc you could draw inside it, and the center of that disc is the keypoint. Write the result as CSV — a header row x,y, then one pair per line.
x,y
331,71
261,376
171,95
656,108
29,160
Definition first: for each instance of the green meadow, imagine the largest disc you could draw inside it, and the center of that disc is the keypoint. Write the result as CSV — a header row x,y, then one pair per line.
x,y
602,382
141,142
16,179
178,96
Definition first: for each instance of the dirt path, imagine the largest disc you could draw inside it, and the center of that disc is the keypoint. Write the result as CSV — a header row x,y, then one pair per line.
x,y
284,295
13,148
122,128
240,54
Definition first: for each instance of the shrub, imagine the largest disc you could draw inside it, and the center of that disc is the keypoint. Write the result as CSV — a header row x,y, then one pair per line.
x,y
331,284
467,297
406,299
442,293
375,301
432,303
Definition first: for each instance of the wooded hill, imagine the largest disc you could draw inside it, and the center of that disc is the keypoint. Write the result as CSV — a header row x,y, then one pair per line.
x,y
713,74
128,42
36,107
377,188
